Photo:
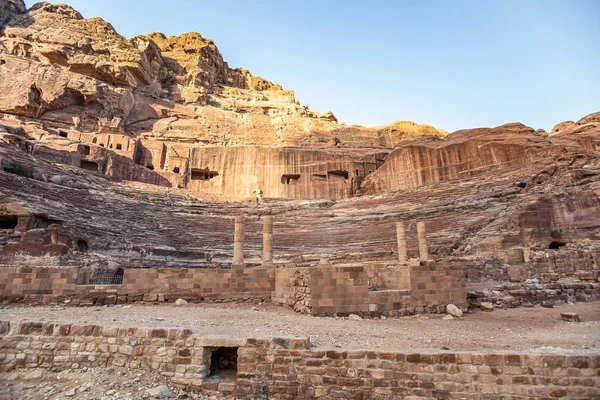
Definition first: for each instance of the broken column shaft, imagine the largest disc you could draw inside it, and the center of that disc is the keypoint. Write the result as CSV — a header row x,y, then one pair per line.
x,y
401,242
422,241
267,241
238,242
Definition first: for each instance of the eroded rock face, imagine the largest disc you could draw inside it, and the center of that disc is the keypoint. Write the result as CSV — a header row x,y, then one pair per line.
x,y
163,104
463,154
143,149
9,9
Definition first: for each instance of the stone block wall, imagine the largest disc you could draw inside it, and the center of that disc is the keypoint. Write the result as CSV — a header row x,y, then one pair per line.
x,y
50,345
547,266
206,284
437,284
24,281
389,277
292,289
357,374
369,290
288,368
551,266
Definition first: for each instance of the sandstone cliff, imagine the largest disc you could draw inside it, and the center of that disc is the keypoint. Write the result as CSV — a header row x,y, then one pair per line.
x,y
137,153
157,102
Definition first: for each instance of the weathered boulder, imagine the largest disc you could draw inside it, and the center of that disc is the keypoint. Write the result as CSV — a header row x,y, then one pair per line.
x,y
451,309
159,392
570,316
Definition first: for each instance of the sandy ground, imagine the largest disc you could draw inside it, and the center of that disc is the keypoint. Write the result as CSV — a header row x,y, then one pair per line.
x,y
529,329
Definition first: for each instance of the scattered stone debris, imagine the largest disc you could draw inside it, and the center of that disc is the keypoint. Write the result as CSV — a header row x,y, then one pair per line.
x,y
180,302
159,392
354,317
448,317
112,383
486,306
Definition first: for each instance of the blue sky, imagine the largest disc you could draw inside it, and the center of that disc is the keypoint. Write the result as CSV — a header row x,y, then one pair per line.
x,y
451,64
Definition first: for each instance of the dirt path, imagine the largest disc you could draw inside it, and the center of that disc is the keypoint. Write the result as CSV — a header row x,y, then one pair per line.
x,y
528,329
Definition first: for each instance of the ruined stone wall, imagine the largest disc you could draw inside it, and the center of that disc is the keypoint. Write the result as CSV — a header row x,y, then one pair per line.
x,y
554,265
547,266
511,295
370,290
203,284
292,289
284,368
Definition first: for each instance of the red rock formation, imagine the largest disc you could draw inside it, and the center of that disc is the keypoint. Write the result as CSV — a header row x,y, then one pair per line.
x,y
145,149
159,101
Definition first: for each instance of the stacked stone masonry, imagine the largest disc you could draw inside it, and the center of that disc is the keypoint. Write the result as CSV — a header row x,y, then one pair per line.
x,y
198,284
288,368
376,289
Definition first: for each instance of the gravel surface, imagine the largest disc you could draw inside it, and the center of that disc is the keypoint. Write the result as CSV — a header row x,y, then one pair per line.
x,y
529,329
112,383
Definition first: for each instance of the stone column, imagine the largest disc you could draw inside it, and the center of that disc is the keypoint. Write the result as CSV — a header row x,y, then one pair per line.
x,y
267,259
238,243
422,241
401,242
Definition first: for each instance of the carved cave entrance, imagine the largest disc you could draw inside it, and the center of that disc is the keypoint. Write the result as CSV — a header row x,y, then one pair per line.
x,y
556,244
89,165
336,175
82,245
203,174
8,221
288,179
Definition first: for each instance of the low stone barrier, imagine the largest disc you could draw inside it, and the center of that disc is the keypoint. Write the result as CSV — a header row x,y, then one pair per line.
x,y
511,295
158,284
288,368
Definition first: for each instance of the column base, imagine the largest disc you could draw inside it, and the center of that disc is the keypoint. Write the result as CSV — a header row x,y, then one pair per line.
x,y
238,266
267,264
414,262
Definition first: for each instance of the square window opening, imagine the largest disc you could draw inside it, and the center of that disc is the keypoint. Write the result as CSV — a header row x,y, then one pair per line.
x,y
223,363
